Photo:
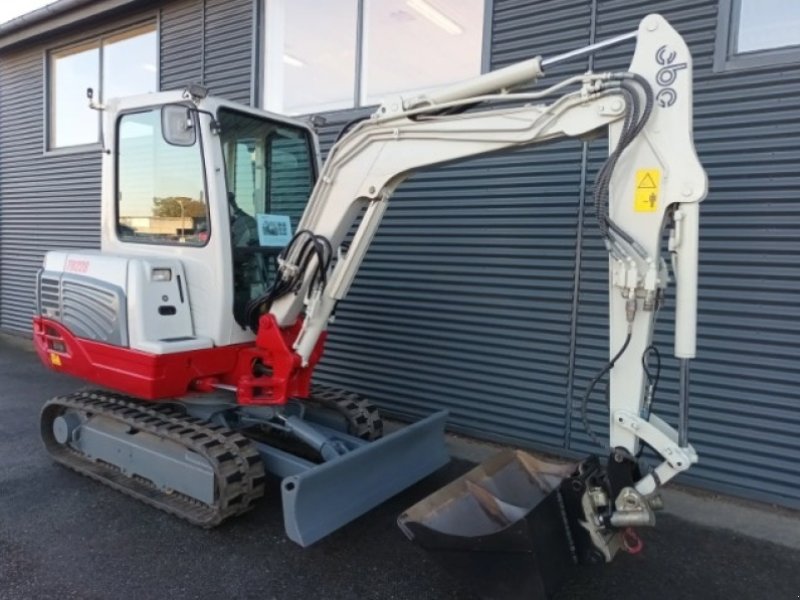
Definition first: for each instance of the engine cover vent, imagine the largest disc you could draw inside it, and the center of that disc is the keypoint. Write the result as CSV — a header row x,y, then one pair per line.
x,y
49,298
91,309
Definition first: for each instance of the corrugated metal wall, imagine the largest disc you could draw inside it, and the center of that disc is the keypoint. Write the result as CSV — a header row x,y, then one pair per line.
x,y
229,46
466,299
51,200
464,302
181,37
46,202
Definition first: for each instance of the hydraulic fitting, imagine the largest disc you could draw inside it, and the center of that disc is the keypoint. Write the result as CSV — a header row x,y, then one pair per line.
x,y
630,309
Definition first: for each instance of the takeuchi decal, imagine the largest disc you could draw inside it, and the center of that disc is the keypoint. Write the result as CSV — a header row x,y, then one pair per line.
x,y
77,266
666,76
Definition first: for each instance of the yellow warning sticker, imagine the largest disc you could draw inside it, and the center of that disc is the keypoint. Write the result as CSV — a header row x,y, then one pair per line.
x,y
647,191
55,359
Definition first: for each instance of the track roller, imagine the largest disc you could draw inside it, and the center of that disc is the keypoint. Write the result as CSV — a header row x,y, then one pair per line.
x,y
364,420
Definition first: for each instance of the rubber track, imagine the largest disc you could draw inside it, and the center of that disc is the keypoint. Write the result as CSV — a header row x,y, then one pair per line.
x,y
363,416
237,466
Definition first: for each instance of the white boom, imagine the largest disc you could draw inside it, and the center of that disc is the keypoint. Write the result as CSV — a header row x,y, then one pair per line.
x,y
656,181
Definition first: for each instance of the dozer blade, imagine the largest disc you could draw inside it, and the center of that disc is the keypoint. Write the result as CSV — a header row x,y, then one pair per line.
x,y
501,528
328,496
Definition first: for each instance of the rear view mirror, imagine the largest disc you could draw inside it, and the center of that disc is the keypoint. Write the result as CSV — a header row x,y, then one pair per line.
x,y
178,125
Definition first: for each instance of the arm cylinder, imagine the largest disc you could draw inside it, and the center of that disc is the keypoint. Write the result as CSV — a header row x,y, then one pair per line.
x,y
526,71
512,76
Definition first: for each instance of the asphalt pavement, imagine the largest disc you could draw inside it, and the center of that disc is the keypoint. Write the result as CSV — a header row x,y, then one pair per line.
x,y
64,536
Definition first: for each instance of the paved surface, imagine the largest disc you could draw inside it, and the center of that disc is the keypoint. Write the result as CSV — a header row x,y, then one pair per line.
x,y
64,536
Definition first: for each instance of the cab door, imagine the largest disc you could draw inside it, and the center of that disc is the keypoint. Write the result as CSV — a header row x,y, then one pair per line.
x,y
269,172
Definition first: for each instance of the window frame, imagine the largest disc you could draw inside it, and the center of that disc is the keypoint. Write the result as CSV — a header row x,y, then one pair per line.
x,y
94,41
726,58
199,141
358,106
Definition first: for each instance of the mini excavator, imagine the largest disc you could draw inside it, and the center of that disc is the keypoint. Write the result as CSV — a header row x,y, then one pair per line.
x,y
226,246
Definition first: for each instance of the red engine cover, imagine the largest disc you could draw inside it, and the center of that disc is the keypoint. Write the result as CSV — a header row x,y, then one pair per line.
x,y
265,372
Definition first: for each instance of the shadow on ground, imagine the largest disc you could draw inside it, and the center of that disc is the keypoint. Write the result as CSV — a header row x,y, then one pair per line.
x,y
64,536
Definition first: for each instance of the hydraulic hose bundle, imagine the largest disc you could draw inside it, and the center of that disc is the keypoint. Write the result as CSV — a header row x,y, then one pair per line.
x,y
618,242
293,262
629,85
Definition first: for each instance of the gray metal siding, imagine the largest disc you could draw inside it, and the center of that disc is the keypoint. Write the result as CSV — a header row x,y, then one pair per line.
x,y
46,201
181,38
210,42
229,46
51,200
464,300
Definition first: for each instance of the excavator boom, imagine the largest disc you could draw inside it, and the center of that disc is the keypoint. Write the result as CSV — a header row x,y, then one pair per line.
x,y
652,181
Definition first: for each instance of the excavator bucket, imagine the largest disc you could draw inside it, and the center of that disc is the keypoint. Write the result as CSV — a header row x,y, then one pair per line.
x,y
501,528
322,499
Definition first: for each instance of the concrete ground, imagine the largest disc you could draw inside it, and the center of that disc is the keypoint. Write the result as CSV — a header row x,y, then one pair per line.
x,y
64,536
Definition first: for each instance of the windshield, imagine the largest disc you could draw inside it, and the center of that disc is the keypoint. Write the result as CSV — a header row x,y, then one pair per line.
x,y
269,172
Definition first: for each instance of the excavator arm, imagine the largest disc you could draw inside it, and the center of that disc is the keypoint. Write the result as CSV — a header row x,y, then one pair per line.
x,y
651,181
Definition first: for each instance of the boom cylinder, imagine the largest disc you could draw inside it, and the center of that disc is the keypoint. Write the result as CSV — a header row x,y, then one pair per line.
x,y
590,49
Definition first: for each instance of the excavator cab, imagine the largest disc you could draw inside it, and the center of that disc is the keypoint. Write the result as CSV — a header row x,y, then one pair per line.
x,y
191,410
223,183
166,192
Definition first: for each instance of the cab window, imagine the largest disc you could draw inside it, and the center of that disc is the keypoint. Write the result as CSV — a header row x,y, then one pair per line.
x,y
161,194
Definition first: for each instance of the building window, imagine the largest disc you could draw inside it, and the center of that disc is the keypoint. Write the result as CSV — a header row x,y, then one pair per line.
x,y
752,33
323,56
120,64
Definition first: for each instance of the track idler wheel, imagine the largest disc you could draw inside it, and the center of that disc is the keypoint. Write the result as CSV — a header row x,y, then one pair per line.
x,y
363,419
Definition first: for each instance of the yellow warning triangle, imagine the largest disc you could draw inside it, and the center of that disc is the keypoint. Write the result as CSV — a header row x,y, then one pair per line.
x,y
646,183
